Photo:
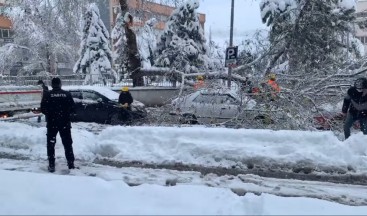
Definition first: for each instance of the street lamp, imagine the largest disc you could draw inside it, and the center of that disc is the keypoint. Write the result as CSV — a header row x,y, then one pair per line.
x,y
231,43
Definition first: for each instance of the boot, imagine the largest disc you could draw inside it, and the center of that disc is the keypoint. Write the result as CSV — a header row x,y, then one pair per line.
x,y
51,167
71,165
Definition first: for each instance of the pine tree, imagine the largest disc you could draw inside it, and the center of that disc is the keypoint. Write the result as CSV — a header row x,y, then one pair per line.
x,y
182,44
95,49
46,30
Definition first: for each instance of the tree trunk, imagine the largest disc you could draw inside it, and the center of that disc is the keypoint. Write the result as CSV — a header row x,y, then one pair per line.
x,y
48,59
134,65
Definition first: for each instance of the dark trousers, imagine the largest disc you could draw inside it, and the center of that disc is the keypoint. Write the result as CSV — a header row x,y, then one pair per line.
x,y
67,141
125,115
349,121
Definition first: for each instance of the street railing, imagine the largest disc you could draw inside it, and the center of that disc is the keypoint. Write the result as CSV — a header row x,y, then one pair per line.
x,y
67,80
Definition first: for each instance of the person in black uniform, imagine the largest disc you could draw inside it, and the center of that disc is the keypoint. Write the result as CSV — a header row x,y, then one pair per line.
x,y
58,105
355,106
44,87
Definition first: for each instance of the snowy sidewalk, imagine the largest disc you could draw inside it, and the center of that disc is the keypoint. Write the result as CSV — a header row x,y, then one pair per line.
x,y
239,185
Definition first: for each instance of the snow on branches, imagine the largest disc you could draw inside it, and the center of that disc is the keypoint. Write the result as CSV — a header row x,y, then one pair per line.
x,y
183,45
311,35
95,49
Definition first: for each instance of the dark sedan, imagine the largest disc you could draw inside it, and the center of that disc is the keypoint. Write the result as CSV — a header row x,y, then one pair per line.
x,y
100,105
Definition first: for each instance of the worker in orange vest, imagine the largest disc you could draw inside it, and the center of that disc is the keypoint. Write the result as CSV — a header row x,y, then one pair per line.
x,y
200,83
273,86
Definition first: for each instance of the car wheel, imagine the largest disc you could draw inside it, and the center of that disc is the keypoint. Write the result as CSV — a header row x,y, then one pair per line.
x,y
188,119
115,120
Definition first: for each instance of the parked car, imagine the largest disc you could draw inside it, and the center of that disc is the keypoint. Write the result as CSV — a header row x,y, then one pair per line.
x,y
213,107
100,105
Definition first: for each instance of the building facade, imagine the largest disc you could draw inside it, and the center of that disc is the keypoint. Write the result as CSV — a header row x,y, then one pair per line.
x,y
5,26
143,11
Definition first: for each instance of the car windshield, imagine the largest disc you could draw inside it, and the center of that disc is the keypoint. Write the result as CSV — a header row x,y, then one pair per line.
x,y
108,94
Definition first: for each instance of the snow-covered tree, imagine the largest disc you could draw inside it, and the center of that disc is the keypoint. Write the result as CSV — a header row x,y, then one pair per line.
x,y
120,56
252,57
95,49
216,53
134,64
47,29
147,42
312,35
182,44
10,55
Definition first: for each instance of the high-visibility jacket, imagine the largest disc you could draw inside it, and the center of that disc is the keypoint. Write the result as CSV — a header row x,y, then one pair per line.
x,y
275,87
199,84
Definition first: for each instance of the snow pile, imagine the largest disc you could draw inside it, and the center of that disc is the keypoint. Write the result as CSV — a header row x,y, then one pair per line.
x,y
198,145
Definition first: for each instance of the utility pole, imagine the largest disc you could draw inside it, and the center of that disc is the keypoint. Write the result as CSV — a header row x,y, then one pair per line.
x,y
231,44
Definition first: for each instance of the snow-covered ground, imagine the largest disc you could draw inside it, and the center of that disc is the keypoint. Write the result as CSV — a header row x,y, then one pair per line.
x,y
27,188
208,147
45,194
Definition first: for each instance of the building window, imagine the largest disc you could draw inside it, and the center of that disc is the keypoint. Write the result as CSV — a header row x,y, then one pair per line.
x,y
363,39
5,33
362,14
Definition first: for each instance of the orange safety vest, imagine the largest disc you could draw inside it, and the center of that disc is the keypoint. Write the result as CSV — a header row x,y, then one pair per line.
x,y
274,86
199,84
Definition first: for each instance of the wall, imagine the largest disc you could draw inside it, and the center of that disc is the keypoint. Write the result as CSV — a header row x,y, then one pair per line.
x,y
152,96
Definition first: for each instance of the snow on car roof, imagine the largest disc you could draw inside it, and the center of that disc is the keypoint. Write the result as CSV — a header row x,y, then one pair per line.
x,y
102,90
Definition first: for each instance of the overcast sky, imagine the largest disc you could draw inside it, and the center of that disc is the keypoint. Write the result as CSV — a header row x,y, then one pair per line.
x,y
247,16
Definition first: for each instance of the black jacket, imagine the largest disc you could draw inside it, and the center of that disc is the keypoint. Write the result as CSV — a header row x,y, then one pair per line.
x,y
57,105
355,103
44,89
125,97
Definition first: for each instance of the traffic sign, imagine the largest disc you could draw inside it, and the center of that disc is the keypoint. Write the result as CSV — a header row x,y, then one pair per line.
x,y
231,56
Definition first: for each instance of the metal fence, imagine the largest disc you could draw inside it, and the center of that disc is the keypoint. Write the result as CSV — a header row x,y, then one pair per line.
x,y
157,81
